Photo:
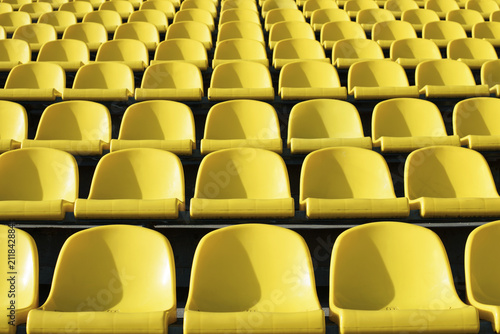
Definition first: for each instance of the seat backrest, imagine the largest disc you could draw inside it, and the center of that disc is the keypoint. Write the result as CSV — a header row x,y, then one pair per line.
x,y
105,256
180,49
165,6
399,6
385,265
273,4
376,73
172,75
241,74
89,32
312,5
419,16
36,8
417,48
345,172
392,30
195,14
138,173
75,120
476,116
157,120
6,7
471,48
242,119
143,31
464,16
443,6
189,29
285,29
443,30
64,50
407,117
36,33
105,75
308,74
490,74
238,14
325,15
357,5
357,48
14,19
125,8
105,17
58,18
487,30
36,174
240,48
77,7
155,16
443,72
485,7
14,50
205,5
447,172
37,75
335,31
13,121
244,173
240,29
123,50
283,14
230,274
373,15
240,4
298,48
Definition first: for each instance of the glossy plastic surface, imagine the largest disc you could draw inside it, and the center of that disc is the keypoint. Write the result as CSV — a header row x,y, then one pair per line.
x,y
488,30
332,32
241,29
239,49
490,76
409,52
11,20
130,52
35,9
197,15
191,30
60,20
346,52
442,32
155,16
282,14
70,54
13,125
466,17
36,34
295,49
13,52
289,29
92,33
108,18
166,6
322,16
79,8
145,32
369,16
385,33
472,51
182,49
418,17
123,7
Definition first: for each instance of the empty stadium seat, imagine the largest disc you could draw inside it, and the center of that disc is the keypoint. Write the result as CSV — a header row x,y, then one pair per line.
x,y
346,52
79,8
447,78
102,81
447,181
36,34
466,17
132,293
488,30
409,52
322,16
442,32
70,54
182,49
490,76
209,6
54,3
385,33
369,16
406,124
11,20
309,79
240,29
5,7
191,30
131,52
77,127
94,3
386,275
484,7
332,32
122,7
419,17
108,18
35,9
289,29
397,7
386,79
475,122
145,32
441,7
155,16
166,6
195,14
348,182
241,80
34,81
13,52
239,15
160,124
273,4
241,123
311,5
321,123
16,4
13,125
135,183
352,7
283,14
242,183
239,275
37,184
92,33
179,81
239,49
472,51
238,4
295,49
60,20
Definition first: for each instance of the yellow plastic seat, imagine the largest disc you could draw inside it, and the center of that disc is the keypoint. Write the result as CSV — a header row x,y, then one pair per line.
x,y
348,182
238,4
160,124
94,3
289,29
237,273
77,127
5,7
490,76
495,16
122,7
407,124
481,272
102,81
446,181
166,6
346,52
447,78
191,30
409,52
70,54
60,20
274,4
13,52
16,4
368,17
385,33
242,183
466,17
308,79
37,184
130,52
108,18
239,49
10,21
472,51
132,294
240,29
209,6
182,49
352,7
311,5
419,17
322,123
241,123
475,121
36,34
322,16
386,275
397,7
195,14
79,8
442,32
238,14
488,30
13,125
441,7
55,4
378,79
332,32
145,32
135,3
297,49
241,80
34,81
484,7
173,80
21,285
155,16
92,33
35,9
135,183
3,34
283,14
